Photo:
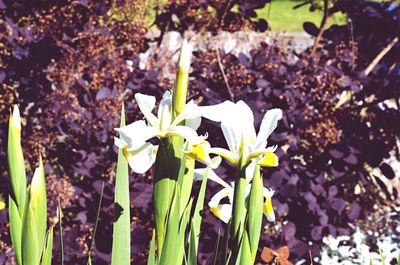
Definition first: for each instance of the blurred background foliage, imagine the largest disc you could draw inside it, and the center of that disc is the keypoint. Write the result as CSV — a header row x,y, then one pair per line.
x,y
69,66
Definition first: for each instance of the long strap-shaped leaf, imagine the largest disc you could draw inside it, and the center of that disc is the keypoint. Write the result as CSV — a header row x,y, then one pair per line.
x,y
196,223
89,262
152,259
47,253
15,229
121,247
60,231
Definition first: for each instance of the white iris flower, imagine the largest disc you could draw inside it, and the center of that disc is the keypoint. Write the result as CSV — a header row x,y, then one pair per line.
x,y
223,211
243,142
134,137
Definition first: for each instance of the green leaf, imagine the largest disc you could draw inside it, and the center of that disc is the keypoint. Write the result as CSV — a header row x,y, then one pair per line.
x,y
15,229
16,162
121,247
60,231
151,260
255,212
185,180
196,223
38,204
95,225
244,251
168,255
47,253
180,239
30,248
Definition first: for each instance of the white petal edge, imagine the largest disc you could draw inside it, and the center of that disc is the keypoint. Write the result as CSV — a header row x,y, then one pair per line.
x,y
137,133
268,125
199,174
142,159
186,132
165,111
245,117
146,104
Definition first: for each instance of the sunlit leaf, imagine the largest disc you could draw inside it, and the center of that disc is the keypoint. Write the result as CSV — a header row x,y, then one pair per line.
x,y
121,248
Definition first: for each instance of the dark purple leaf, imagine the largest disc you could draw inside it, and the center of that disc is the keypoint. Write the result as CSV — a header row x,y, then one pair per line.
x,y
316,232
103,93
289,231
338,204
354,211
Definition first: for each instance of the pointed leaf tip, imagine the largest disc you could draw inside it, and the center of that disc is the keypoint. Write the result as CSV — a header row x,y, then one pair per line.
x,y
16,118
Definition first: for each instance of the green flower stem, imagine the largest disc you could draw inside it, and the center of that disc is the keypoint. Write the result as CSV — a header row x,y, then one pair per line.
x,y
239,204
255,207
182,80
163,188
169,155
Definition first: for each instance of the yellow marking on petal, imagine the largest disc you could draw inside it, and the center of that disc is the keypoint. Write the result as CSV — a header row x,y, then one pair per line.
x,y
216,212
269,210
2,204
270,160
126,153
200,152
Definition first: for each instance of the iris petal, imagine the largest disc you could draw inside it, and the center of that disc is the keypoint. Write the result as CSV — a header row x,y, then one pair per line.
x,y
146,105
141,159
137,133
268,125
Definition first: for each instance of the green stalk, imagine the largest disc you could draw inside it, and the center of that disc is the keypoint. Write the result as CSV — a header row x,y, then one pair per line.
x,y
163,186
239,204
169,155
255,212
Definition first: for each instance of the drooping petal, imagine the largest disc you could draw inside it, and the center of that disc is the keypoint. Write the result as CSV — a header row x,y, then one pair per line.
x,y
222,212
270,159
146,105
119,143
141,159
201,153
193,123
268,208
228,155
217,113
199,174
268,125
187,133
260,153
137,133
165,111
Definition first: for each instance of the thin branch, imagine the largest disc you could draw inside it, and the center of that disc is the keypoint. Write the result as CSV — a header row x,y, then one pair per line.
x,y
322,27
379,57
221,67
